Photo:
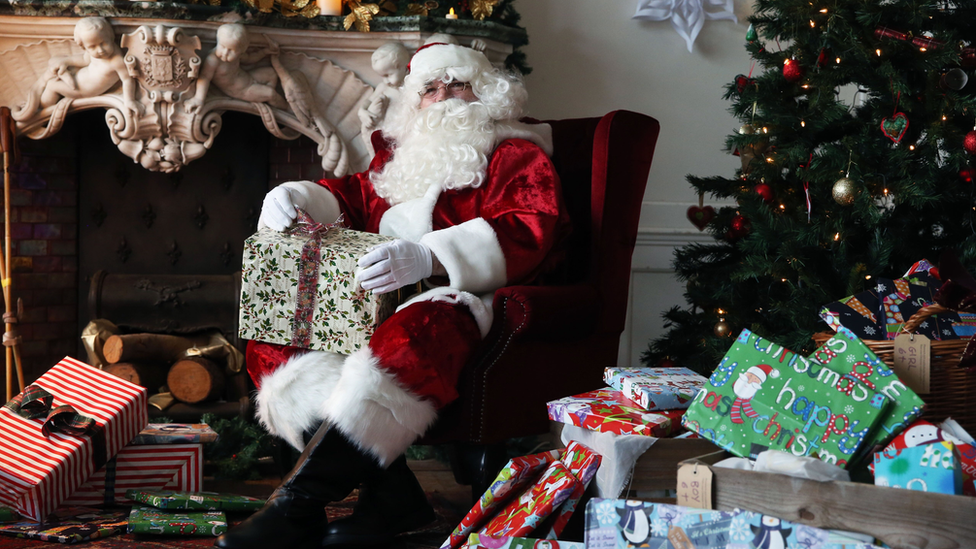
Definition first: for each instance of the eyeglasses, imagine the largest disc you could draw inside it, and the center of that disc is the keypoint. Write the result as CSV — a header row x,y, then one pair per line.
x,y
453,88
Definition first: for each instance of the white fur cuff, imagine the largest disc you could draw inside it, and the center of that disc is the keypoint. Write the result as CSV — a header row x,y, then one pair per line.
x,y
471,254
482,313
371,409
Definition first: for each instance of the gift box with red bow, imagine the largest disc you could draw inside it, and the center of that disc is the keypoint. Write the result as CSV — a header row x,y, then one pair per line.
x,y
60,430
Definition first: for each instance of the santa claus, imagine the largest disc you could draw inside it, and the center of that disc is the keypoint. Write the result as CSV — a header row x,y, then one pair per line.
x,y
475,204
745,388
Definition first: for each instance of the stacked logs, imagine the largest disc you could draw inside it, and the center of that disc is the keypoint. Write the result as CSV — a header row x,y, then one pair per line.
x,y
154,360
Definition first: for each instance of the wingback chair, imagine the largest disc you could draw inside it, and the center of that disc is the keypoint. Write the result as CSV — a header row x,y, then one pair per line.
x,y
554,340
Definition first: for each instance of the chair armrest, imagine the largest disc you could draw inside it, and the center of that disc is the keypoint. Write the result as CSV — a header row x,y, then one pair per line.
x,y
546,312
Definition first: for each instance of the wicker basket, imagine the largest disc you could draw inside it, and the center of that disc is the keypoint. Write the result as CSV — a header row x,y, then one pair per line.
x,y
952,390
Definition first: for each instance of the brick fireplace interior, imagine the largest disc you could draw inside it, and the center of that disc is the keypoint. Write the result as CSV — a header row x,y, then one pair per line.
x,y
79,206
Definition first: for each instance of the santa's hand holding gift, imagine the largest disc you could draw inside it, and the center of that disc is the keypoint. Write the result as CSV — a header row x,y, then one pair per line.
x,y
475,204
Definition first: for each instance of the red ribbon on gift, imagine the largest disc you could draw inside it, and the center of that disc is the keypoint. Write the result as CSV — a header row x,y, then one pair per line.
x,y
35,403
308,274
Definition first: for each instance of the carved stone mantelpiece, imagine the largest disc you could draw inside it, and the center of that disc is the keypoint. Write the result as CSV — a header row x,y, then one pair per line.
x,y
328,72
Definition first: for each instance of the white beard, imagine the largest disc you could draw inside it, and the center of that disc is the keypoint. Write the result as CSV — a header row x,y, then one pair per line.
x,y
447,144
745,390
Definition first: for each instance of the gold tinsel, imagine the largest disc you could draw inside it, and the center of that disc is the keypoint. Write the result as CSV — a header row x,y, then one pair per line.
x,y
481,9
422,9
288,8
360,15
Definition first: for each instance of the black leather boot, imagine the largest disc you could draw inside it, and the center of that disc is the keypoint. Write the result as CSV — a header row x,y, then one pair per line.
x,y
294,516
391,502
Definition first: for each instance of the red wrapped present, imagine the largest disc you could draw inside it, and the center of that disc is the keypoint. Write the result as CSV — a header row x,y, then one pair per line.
x,y
522,515
60,430
515,476
177,467
608,410
583,463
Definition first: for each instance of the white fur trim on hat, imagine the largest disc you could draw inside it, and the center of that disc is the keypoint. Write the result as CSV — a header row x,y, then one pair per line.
x,y
437,57
371,409
471,254
760,371
482,313
289,399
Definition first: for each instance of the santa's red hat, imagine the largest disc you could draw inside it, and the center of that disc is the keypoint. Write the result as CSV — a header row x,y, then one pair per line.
x,y
761,371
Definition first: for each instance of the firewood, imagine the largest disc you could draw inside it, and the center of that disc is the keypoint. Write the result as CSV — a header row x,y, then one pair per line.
x,y
145,347
150,376
194,380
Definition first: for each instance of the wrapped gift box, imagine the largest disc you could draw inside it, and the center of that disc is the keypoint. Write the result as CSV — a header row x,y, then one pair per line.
x,y
194,501
149,520
175,433
71,525
763,396
608,410
655,388
36,471
847,355
321,308
927,468
583,463
177,467
523,514
511,480
484,541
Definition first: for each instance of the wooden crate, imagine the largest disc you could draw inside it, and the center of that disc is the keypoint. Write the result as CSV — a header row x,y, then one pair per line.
x,y
657,468
900,518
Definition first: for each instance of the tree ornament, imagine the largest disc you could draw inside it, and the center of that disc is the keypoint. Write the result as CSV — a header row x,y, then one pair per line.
x,y
742,82
764,191
746,129
954,79
895,126
969,143
792,71
844,191
751,34
721,328
824,57
665,362
701,215
739,226
967,174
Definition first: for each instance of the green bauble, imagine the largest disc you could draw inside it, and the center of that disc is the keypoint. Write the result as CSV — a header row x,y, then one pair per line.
x,y
751,34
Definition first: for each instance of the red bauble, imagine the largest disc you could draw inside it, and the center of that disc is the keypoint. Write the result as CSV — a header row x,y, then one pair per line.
x,y
792,71
764,191
969,143
967,174
665,363
739,227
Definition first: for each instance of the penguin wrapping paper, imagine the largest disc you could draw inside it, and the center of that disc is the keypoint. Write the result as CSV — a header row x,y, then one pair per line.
x,y
763,396
517,474
609,411
655,388
484,541
847,355
621,524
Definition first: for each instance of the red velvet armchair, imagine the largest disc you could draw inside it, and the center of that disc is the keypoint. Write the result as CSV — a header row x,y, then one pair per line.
x,y
553,340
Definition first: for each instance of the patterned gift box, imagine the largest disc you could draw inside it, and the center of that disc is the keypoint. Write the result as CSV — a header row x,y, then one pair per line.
x,y
515,476
782,401
177,467
484,541
320,308
583,463
36,471
175,433
847,355
195,501
149,520
608,410
656,388
612,524
926,468
71,525
523,514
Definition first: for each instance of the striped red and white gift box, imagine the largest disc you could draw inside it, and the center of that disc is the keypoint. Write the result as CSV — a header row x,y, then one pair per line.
x,y
176,467
37,473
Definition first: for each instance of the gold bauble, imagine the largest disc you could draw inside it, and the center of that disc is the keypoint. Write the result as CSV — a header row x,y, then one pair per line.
x,y
747,129
721,328
844,191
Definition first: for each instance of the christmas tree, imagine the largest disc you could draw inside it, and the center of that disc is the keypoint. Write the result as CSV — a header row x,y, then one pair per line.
x,y
857,141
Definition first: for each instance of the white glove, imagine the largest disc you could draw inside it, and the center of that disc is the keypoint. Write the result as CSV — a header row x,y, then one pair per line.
x,y
279,209
394,265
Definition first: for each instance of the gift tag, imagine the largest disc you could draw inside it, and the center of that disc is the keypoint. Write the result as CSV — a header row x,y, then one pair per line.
x,y
911,361
695,486
679,538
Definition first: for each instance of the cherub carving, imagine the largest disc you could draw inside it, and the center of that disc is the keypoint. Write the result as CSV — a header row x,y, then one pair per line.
x,y
390,62
90,74
222,68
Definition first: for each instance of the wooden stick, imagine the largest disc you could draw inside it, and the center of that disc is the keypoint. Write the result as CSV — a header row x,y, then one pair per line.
x,y
6,145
